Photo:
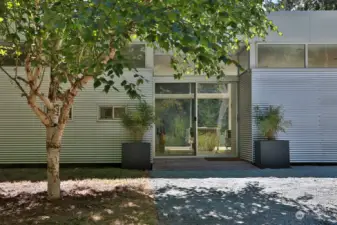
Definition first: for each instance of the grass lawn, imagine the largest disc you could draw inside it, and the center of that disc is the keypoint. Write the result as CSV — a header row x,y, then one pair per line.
x,y
89,196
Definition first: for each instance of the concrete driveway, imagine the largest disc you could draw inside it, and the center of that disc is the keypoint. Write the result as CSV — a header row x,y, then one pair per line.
x,y
301,195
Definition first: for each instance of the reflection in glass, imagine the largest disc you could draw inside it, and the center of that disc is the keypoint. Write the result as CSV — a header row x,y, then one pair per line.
x,y
281,56
174,132
213,126
322,56
212,88
166,88
162,65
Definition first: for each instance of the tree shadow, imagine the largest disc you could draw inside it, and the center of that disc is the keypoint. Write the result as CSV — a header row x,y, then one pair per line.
x,y
82,205
295,171
250,205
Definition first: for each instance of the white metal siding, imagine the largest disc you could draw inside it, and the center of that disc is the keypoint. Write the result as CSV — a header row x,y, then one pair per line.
x,y
245,121
304,26
86,140
309,97
22,136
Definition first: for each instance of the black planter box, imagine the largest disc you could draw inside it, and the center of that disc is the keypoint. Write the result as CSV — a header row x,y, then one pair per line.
x,y
136,155
272,154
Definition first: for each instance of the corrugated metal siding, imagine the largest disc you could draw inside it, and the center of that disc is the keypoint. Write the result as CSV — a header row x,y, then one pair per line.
x,y
245,119
309,97
22,136
86,140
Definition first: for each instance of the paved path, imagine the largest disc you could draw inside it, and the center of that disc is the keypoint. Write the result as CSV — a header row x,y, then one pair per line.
x,y
302,195
201,164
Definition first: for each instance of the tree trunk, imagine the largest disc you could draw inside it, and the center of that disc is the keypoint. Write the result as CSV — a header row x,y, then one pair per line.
x,y
53,162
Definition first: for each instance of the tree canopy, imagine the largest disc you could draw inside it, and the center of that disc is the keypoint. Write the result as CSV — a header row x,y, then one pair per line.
x,y
85,40
306,5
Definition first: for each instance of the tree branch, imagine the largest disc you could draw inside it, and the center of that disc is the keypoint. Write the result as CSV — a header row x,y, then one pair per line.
x,y
24,93
45,100
39,113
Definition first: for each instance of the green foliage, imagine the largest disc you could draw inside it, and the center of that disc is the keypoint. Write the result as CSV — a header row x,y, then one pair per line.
x,y
74,36
139,121
270,121
208,141
305,5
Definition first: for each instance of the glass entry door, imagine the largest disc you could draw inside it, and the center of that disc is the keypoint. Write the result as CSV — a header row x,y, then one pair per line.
x,y
195,119
176,123
216,119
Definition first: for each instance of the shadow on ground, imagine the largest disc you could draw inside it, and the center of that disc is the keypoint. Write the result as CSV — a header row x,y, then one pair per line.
x,y
81,206
296,171
250,205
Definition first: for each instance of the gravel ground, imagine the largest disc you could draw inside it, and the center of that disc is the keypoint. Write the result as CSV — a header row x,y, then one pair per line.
x,y
274,197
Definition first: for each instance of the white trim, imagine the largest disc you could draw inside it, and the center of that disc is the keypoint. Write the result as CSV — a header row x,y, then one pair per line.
x,y
213,95
306,56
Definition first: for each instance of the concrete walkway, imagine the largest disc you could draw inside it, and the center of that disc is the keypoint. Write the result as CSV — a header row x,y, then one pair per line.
x,y
200,164
300,195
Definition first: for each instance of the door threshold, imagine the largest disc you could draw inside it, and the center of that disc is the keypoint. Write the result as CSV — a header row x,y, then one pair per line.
x,y
199,157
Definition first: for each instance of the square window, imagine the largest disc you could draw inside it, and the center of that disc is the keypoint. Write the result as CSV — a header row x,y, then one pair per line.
x,y
118,112
105,113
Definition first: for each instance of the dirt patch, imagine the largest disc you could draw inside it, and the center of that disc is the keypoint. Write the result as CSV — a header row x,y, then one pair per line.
x,y
83,202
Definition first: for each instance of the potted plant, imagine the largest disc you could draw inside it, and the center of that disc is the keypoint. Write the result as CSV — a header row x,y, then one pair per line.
x,y
137,154
271,153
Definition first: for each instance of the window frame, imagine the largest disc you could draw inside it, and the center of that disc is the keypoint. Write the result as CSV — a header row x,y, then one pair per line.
x,y
306,46
322,44
113,112
305,62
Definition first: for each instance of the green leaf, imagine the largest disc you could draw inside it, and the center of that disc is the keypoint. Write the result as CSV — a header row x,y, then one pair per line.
x,y
97,83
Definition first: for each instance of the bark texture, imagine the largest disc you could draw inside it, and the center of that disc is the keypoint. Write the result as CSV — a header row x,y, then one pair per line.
x,y
53,146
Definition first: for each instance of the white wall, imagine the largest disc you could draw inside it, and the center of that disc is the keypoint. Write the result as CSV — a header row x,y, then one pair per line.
x,y
86,140
301,27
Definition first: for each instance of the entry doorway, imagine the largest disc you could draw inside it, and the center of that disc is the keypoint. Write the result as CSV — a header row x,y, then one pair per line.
x,y
196,119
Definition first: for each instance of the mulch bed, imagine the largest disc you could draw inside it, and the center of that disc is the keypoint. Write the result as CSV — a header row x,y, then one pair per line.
x,y
83,202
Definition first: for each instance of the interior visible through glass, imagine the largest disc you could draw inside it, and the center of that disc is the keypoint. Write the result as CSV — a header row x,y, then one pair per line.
x,y
174,128
202,123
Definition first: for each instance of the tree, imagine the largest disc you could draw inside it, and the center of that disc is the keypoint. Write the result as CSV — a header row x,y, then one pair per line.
x,y
306,5
83,41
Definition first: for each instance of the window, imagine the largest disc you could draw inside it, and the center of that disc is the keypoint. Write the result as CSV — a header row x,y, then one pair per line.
x,y
173,88
212,88
322,56
111,112
105,113
162,65
135,55
281,56
118,112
